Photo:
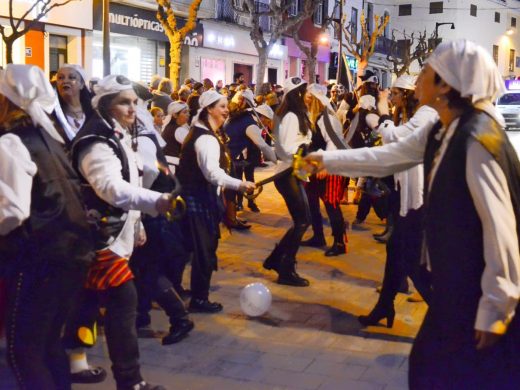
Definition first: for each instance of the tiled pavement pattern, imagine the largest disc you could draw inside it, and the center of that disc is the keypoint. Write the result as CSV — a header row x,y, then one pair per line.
x,y
310,338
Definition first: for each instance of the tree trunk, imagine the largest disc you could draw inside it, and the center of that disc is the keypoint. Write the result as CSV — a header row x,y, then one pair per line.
x,y
311,63
362,65
175,59
9,50
262,66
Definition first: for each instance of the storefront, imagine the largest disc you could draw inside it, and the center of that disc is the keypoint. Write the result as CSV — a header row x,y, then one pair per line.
x,y
228,49
138,45
58,38
298,60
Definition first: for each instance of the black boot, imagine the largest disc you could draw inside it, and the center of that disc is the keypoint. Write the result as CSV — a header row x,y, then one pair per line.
x,y
338,248
316,241
179,329
378,313
252,206
288,275
180,324
204,306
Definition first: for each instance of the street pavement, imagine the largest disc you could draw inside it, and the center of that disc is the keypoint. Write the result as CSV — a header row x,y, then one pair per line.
x,y
309,339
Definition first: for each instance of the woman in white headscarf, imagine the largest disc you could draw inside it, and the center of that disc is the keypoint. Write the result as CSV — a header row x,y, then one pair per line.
x,y
403,236
104,152
175,131
74,95
203,170
470,335
46,245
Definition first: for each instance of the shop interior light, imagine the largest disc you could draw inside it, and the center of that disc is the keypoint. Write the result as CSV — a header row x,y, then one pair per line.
x,y
324,39
511,31
211,38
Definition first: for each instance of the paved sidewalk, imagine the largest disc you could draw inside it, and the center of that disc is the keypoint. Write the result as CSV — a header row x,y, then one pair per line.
x,y
310,338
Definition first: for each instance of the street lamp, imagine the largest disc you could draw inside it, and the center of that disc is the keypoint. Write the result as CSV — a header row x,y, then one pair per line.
x,y
437,25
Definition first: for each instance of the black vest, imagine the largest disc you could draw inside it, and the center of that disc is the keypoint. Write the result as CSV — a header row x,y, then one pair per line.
x,y
173,147
56,231
318,141
189,172
452,226
107,220
236,131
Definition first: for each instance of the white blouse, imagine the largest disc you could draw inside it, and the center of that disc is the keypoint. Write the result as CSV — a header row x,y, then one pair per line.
x,y
411,181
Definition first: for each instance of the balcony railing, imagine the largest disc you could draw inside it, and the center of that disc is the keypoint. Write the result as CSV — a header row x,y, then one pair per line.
x,y
225,11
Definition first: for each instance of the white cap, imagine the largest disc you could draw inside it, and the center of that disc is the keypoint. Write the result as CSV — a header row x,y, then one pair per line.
x,y
176,107
292,83
405,81
265,110
320,93
110,85
28,88
209,97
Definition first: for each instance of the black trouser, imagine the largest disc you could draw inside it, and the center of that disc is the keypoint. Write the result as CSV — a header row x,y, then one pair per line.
x,y
39,301
149,265
246,170
120,316
295,198
315,190
204,260
380,204
403,258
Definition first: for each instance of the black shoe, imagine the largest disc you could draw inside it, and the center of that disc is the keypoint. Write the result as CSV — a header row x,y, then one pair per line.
x,y
378,314
315,242
237,225
274,259
380,234
385,237
336,249
204,306
358,224
292,279
253,207
178,331
92,375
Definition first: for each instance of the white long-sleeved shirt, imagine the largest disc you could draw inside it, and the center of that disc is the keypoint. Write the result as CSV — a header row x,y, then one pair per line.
x,y
207,149
288,139
411,181
100,166
490,193
17,171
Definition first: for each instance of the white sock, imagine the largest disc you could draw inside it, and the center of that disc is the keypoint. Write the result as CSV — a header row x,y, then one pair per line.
x,y
78,360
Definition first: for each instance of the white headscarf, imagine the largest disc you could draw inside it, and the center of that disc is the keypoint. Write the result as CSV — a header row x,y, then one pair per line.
x,y
27,87
207,98
78,69
405,81
469,69
110,85
176,107
320,93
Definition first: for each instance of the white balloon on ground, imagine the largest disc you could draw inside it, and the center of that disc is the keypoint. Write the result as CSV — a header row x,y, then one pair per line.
x,y
255,299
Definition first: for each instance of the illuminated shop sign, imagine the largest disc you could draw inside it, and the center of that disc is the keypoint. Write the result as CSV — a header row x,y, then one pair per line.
x,y
352,63
141,23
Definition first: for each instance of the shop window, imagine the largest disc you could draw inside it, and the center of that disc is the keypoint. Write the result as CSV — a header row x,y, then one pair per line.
x,y
213,69
495,53
513,22
436,7
353,24
497,17
272,75
511,60
294,8
473,10
57,51
405,9
370,18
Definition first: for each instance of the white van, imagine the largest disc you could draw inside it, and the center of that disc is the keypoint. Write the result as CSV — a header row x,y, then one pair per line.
x,y
509,105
